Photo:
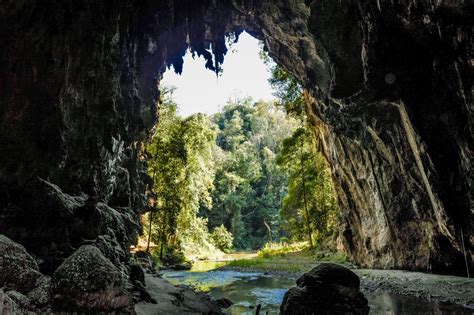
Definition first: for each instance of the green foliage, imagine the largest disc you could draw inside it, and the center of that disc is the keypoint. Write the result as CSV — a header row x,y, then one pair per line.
x,y
181,165
173,256
155,258
249,187
196,241
251,174
339,258
222,238
281,249
310,209
286,88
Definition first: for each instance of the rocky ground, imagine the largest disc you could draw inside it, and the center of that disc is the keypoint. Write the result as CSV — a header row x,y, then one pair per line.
x,y
174,300
431,287
87,282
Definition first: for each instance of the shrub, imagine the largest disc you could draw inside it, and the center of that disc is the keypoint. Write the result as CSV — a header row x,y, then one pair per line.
x,y
340,258
196,241
222,238
174,255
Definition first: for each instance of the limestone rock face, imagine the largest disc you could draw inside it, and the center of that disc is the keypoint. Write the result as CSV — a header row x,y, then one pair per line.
x,y
397,129
88,281
388,86
326,289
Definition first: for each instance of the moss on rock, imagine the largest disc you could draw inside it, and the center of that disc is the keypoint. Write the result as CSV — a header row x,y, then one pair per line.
x,y
88,281
18,270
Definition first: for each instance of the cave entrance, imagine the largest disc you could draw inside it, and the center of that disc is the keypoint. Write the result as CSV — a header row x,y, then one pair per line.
x,y
388,87
245,73
241,157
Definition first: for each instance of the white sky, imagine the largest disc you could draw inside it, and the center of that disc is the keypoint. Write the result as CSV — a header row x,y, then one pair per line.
x,y
244,74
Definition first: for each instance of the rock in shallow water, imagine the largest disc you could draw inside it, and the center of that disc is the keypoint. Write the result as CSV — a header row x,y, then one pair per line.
x,y
224,303
181,266
326,289
88,281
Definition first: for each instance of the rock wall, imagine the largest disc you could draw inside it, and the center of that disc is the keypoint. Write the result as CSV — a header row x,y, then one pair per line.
x,y
69,124
397,129
388,85
389,93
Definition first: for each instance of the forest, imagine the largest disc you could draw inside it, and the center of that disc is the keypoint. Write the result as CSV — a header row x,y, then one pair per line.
x,y
247,177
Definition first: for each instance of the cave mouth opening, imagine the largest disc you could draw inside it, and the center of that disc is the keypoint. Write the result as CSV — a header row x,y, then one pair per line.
x,y
79,90
234,96
244,73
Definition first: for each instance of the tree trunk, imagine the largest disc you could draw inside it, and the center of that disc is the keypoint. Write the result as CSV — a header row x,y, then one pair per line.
x,y
149,231
305,202
269,231
163,234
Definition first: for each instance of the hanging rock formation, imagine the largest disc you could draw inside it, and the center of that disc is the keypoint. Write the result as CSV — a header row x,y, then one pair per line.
x,y
388,88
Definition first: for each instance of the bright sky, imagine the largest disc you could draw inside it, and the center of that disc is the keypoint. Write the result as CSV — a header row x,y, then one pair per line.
x,y
244,74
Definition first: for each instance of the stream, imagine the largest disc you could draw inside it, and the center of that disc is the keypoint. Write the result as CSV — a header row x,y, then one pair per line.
x,y
248,289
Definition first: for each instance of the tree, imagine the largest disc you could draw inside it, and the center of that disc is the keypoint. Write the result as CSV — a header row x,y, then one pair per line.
x,y
181,167
249,187
286,88
222,238
309,210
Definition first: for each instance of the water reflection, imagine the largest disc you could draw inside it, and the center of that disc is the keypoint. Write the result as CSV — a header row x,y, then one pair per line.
x,y
248,289
388,304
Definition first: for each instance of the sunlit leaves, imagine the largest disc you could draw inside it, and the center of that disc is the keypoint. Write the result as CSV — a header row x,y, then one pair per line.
x,y
310,206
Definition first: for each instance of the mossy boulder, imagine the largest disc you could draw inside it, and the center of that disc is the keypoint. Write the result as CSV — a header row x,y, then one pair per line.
x,y
87,280
18,270
40,295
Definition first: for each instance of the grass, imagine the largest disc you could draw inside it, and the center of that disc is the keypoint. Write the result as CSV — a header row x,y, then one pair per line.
x,y
338,258
294,258
281,249
271,264
246,262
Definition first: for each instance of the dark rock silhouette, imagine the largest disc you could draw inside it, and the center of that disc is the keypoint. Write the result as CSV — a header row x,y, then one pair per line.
x,y
326,289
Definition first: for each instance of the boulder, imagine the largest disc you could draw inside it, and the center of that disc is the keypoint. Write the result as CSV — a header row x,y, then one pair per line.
x,y
18,270
7,305
88,281
224,303
40,295
20,300
137,273
182,266
326,289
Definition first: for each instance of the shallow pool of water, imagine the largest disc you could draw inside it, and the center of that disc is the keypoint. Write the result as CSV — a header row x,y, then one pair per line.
x,y
248,289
